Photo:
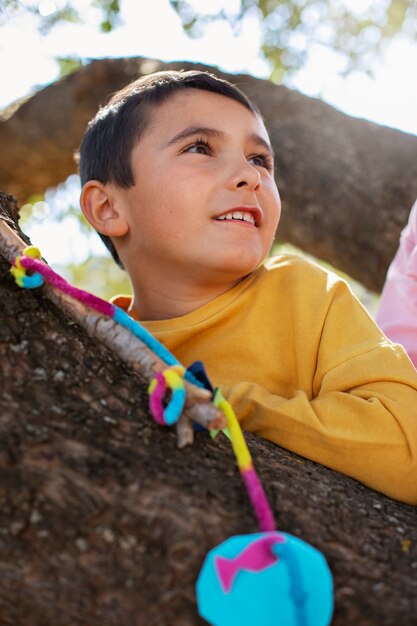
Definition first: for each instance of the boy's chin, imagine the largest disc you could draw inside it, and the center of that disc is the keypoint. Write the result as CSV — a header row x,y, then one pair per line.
x,y
239,268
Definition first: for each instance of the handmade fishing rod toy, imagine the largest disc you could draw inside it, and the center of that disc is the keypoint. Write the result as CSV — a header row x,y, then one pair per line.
x,y
269,578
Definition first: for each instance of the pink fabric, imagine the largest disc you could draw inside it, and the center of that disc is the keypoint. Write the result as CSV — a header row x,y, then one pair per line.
x,y
397,313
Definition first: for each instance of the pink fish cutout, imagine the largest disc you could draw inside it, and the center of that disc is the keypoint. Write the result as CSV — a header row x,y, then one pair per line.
x,y
254,558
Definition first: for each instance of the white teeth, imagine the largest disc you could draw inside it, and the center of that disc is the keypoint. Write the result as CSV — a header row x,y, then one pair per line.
x,y
238,215
248,218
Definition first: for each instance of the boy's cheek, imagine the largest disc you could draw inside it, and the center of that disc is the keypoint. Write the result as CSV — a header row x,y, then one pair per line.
x,y
275,213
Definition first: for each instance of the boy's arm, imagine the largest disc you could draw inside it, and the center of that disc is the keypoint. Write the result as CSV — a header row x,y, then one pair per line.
x,y
362,433
359,416
397,312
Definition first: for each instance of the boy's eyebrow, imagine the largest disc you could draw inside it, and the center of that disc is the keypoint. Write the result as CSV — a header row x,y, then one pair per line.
x,y
191,131
261,142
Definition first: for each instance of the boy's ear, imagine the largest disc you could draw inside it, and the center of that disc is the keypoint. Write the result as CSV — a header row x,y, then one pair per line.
x,y
100,210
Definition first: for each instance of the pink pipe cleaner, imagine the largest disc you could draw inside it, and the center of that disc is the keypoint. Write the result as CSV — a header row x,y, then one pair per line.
x,y
57,281
259,500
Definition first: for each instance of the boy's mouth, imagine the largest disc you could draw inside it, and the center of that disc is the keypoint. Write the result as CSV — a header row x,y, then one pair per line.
x,y
250,216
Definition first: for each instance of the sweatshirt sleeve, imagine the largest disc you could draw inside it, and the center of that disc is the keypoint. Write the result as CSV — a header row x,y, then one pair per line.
x,y
397,312
360,415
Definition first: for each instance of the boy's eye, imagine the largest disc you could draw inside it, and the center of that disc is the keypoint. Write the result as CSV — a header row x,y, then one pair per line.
x,y
261,160
199,147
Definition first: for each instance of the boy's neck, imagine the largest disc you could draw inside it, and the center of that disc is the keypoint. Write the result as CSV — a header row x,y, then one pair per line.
x,y
161,304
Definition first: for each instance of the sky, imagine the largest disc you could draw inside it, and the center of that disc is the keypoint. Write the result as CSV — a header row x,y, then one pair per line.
x,y
152,29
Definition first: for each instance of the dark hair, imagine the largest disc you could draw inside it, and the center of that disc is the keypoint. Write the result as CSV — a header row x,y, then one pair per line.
x,y
105,152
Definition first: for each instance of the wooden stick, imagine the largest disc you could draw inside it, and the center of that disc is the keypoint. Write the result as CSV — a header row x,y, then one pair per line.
x,y
129,348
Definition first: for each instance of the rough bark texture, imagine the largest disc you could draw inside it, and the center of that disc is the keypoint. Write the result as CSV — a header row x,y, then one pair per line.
x,y
103,521
347,185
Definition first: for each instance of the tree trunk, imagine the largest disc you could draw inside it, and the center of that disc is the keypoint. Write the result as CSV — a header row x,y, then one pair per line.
x,y
347,185
105,522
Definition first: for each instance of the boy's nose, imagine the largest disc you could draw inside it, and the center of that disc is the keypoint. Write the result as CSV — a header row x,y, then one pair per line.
x,y
246,176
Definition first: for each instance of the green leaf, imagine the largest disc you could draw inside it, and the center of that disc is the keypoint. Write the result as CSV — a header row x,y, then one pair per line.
x,y
68,65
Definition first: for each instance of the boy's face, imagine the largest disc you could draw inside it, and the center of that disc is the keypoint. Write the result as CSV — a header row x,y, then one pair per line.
x,y
205,205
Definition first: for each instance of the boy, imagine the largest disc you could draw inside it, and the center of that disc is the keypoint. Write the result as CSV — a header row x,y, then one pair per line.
x,y
177,175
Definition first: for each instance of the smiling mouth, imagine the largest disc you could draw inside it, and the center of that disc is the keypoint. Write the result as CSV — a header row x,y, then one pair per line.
x,y
237,216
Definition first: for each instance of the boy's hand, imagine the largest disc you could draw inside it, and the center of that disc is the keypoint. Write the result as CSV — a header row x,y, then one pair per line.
x,y
203,413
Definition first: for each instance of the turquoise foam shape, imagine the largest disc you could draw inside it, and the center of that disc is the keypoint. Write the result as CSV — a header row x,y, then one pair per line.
x,y
295,591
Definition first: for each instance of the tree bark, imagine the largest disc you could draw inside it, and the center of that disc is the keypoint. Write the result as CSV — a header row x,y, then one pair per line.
x,y
347,185
103,521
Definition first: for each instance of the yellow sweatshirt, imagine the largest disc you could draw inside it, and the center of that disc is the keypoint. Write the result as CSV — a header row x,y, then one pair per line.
x,y
305,366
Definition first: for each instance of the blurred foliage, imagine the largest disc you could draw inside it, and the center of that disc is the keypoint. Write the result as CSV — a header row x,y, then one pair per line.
x,y
68,65
358,31
63,199
97,274
49,13
111,11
